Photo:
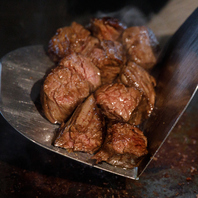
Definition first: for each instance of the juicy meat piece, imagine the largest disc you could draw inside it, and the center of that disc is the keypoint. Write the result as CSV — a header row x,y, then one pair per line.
x,y
141,112
133,75
141,46
62,91
84,67
84,130
109,74
117,101
124,145
67,86
106,28
110,54
92,43
70,39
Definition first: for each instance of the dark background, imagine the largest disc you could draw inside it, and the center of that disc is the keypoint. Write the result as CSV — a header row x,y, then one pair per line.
x,y
27,170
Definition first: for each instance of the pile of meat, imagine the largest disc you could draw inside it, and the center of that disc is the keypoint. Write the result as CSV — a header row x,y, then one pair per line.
x,y
101,89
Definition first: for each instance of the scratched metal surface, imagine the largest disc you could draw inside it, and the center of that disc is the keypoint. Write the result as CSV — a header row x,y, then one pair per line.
x,y
23,70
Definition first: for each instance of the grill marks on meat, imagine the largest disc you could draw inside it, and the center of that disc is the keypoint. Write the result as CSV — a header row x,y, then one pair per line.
x,y
70,39
106,28
85,129
124,145
117,101
67,86
141,46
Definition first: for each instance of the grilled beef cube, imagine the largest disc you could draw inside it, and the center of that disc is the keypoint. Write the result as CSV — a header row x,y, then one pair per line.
x,y
84,67
84,130
109,59
133,75
67,86
124,146
106,28
141,46
109,74
62,91
91,44
70,39
109,53
141,112
117,101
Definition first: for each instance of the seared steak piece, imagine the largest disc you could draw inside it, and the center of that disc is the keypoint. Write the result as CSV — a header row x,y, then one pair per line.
x,y
84,67
67,86
124,145
85,129
141,112
117,101
62,91
109,54
109,74
141,46
109,59
92,43
133,75
106,28
70,39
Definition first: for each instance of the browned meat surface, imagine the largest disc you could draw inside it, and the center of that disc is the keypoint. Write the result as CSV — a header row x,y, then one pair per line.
x,y
106,28
62,91
141,112
117,101
84,130
67,85
92,43
141,46
70,39
133,75
109,54
84,67
124,145
109,74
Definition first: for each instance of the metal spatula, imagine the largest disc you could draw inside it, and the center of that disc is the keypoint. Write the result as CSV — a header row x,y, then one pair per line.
x,y
177,83
22,72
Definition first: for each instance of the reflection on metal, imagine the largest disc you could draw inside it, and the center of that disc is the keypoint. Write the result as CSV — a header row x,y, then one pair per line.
x,y
23,71
177,83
